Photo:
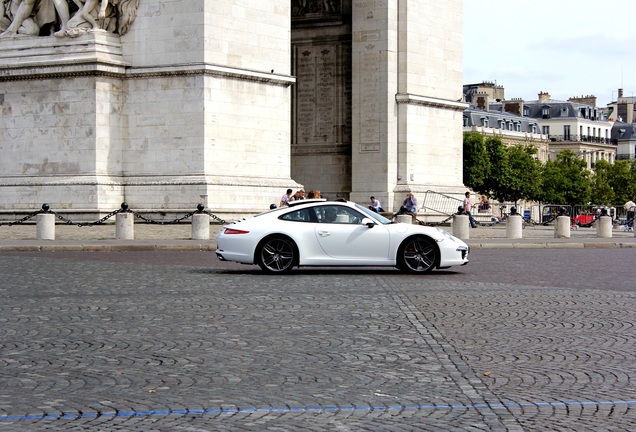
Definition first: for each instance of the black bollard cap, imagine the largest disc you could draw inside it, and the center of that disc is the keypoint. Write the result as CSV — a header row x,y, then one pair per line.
x,y
200,208
272,206
46,207
124,206
460,210
513,211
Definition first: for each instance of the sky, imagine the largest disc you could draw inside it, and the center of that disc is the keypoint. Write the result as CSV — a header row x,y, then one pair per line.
x,y
567,48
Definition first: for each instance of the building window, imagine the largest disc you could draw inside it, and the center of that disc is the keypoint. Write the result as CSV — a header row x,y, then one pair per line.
x,y
545,112
545,130
526,112
566,132
533,128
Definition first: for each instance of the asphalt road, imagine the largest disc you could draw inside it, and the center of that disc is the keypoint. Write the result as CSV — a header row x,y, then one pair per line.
x,y
517,340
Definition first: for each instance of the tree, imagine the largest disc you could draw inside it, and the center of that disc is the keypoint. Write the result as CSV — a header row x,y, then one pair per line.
x,y
622,180
476,163
497,183
565,180
525,173
602,191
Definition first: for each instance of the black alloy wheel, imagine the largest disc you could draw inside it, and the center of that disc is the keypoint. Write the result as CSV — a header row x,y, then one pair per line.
x,y
418,255
276,255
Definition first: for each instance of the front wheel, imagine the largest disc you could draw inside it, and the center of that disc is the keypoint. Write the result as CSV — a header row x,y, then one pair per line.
x,y
276,255
418,255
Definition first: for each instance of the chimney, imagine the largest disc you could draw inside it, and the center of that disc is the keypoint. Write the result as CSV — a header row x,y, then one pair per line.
x,y
544,96
620,93
482,101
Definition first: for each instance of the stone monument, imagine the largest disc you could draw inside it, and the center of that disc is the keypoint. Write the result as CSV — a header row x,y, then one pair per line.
x,y
167,104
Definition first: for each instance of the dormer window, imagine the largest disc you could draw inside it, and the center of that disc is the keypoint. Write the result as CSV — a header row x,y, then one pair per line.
x,y
484,121
545,112
526,111
564,112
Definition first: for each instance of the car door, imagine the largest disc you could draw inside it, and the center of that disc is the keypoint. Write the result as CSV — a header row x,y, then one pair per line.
x,y
344,238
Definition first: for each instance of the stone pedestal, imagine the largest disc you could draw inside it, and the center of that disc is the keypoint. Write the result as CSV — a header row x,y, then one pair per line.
x,y
124,226
604,227
514,227
408,219
200,226
461,227
45,226
562,227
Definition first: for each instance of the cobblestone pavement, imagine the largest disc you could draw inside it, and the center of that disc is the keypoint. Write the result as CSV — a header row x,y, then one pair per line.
x,y
103,345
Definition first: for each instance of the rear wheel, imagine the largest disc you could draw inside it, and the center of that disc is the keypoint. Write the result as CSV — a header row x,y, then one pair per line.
x,y
418,255
276,255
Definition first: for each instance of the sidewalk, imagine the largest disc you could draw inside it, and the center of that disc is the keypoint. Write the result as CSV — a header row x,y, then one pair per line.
x,y
178,237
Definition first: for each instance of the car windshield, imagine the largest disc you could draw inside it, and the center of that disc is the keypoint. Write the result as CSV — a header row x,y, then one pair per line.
x,y
373,215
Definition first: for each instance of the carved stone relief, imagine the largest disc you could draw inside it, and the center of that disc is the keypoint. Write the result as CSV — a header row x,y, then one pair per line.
x,y
65,18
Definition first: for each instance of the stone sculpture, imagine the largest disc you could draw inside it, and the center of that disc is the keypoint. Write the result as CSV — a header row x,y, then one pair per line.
x,y
35,17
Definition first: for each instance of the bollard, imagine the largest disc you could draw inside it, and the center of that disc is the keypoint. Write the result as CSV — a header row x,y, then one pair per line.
x,y
45,226
407,219
562,227
461,226
604,227
124,229
514,226
200,226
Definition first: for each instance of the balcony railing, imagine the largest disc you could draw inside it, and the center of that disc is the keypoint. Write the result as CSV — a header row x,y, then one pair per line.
x,y
625,156
579,138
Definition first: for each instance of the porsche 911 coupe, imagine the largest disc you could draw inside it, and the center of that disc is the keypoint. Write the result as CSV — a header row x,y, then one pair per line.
x,y
317,232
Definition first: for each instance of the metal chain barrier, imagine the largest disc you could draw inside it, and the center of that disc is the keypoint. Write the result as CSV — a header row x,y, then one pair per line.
x,y
124,209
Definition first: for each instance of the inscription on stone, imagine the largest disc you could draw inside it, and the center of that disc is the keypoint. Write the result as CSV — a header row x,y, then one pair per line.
x,y
323,94
369,109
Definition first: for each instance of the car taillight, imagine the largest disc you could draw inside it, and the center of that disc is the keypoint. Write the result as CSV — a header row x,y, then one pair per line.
x,y
234,231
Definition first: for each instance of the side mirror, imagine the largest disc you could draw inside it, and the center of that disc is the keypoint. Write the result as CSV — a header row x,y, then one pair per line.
x,y
368,222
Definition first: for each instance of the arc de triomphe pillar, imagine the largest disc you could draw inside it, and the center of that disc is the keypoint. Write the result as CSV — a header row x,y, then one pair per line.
x,y
406,92
190,102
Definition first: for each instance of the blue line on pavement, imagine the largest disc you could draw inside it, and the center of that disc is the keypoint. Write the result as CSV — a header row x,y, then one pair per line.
x,y
328,408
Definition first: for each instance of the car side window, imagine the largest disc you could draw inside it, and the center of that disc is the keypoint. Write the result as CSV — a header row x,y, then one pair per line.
x,y
301,215
338,214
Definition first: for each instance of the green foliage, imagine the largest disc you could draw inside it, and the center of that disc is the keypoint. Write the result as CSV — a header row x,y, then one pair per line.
x,y
500,172
476,163
566,180
602,190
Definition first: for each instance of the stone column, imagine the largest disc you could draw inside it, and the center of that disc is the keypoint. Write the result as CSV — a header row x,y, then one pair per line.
x,y
604,227
45,226
562,227
461,226
406,83
514,227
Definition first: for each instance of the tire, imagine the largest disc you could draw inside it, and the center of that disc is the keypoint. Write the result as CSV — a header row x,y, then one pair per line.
x,y
276,255
418,255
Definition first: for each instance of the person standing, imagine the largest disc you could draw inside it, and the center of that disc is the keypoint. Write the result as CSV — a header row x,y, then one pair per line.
x,y
285,199
467,210
630,208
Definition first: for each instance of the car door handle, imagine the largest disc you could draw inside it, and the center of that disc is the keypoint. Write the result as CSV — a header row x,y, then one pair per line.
x,y
324,233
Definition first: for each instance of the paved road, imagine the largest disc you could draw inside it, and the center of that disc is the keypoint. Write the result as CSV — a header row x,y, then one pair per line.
x,y
517,340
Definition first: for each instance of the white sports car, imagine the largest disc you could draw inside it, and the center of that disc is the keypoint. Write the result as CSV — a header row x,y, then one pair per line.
x,y
317,232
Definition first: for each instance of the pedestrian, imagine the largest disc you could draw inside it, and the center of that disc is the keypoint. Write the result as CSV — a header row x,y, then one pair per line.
x,y
409,205
375,205
467,210
630,208
284,201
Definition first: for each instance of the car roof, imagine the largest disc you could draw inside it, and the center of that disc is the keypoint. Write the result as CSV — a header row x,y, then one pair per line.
x,y
319,200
